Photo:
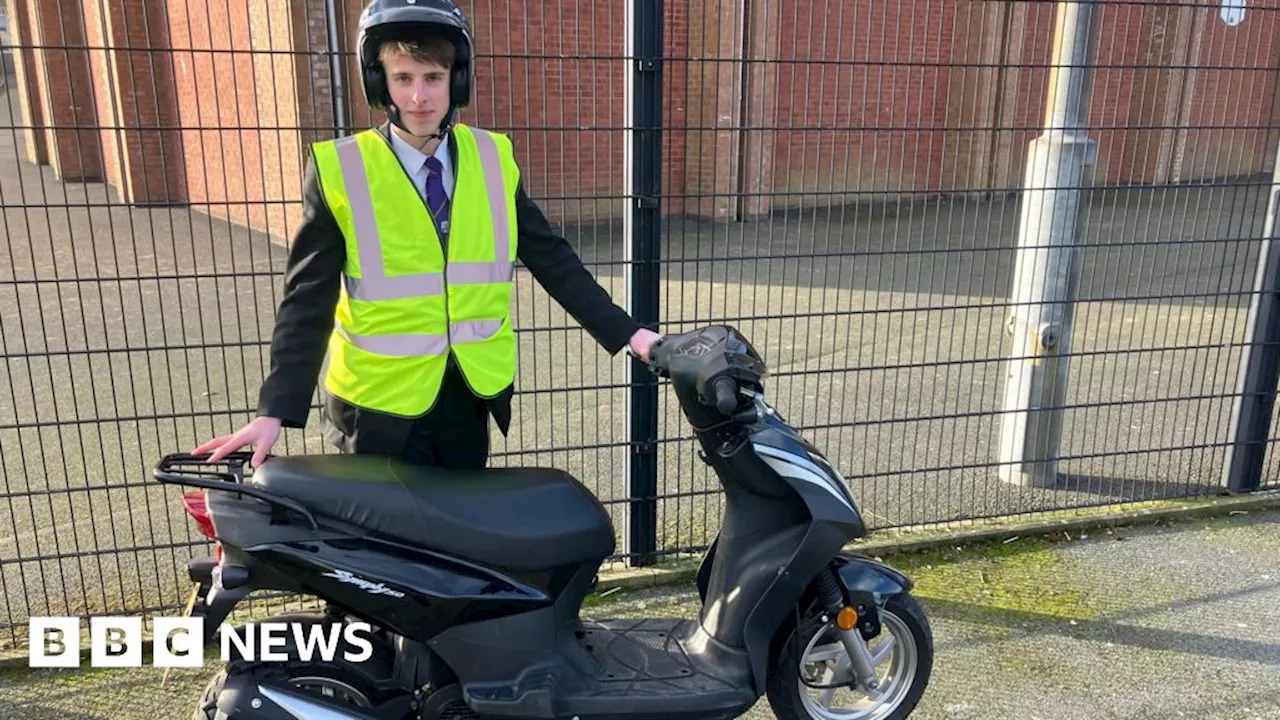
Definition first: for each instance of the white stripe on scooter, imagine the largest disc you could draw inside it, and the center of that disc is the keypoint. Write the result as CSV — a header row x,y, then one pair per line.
x,y
302,709
800,468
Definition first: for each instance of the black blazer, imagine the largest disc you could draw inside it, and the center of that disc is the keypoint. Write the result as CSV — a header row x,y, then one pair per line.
x,y
311,287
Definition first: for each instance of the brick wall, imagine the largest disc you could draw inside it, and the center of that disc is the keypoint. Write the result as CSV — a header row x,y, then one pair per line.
x,y
767,104
253,86
760,111
678,103
883,106
312,73
102,89
1149,87
295,40
1127,100
358,114
1212,75
973,93
66,89
562,114
1232,99
711,98
218,89
1025,46
136,103
35,148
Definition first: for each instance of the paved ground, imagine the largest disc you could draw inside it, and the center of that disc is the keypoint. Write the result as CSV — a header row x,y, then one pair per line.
x,y
131,332
1157,622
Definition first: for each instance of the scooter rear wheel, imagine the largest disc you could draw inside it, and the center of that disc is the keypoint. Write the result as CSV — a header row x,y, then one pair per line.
x,y
327,681
350,684
813,656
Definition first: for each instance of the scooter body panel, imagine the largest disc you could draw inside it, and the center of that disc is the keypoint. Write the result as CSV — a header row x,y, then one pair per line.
x,y
248,698
412,591
787,512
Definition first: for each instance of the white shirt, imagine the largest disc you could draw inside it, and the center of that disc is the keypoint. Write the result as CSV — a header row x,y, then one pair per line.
x,y
414,162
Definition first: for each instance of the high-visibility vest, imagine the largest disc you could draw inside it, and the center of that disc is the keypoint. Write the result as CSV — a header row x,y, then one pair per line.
x,y
403,306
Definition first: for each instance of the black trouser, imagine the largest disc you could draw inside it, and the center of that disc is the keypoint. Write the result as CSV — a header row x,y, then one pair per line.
x,y
454,434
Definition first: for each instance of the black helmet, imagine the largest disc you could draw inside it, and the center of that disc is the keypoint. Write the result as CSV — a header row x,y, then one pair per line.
x,y
383,20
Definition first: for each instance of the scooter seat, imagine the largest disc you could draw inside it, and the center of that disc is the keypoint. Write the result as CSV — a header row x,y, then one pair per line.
x,y
519,519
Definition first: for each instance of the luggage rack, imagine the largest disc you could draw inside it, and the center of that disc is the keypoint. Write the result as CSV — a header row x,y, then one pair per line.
x,y
170,471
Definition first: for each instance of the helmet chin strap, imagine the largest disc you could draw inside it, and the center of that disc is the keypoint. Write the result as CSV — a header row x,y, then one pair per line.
x,y
393,114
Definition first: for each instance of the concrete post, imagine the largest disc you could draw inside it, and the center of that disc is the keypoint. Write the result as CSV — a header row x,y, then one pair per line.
x,y
1044,280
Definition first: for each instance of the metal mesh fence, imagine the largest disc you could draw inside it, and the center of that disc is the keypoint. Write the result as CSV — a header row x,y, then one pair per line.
x,y
841,180
873,184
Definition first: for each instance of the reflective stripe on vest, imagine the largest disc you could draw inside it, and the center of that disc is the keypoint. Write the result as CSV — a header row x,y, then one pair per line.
x,y
374,284
409,345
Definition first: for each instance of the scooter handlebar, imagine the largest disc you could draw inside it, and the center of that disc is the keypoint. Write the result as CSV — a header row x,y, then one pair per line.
x,y
725,391
660,357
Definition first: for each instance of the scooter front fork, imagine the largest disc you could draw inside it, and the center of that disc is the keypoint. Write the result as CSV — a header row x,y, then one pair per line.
x,y
846,619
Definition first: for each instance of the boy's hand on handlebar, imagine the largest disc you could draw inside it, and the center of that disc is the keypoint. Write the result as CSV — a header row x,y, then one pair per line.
x,y
260,432
642,342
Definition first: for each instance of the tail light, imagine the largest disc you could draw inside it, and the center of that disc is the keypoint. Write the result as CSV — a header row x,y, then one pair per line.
x,y
198,509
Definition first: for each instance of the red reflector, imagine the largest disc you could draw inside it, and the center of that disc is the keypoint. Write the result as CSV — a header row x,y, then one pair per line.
x,y
194,502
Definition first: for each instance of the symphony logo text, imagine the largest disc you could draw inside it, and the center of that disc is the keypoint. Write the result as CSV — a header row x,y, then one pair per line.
x,y
179,642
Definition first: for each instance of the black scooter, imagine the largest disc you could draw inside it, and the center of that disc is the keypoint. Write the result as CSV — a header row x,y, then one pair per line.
x,y
473,581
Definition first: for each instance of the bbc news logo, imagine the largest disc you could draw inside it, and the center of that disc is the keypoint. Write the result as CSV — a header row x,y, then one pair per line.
x,y
179,642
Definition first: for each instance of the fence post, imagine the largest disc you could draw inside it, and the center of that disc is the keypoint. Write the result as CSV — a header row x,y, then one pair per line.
x,y
335,69
641,230
1260,367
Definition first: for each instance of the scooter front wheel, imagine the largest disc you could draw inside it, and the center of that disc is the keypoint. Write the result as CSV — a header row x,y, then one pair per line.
x,y
813,677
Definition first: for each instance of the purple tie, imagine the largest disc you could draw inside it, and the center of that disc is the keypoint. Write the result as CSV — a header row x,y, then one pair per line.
x,y
437,200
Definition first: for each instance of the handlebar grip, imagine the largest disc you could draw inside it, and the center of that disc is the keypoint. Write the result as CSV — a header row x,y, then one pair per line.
x,y
659,357
726,391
